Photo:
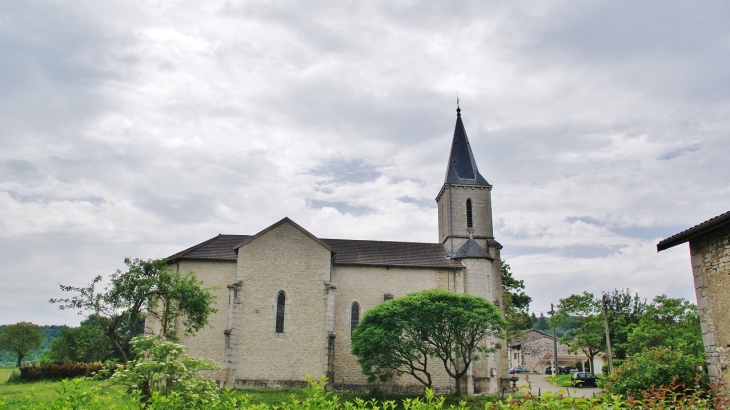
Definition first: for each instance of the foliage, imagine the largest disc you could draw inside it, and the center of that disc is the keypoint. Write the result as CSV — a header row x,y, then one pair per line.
x,y
516,302
35,372
400,335
147,287
624,312
87,343
656,368
21,339
80,394
50,331
587,330
540,323
163,368
668,322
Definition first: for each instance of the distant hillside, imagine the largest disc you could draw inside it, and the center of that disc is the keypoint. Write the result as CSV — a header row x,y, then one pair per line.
x,y
52,332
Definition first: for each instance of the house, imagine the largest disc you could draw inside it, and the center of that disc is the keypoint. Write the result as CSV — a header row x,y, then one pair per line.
x,y
535,350
289,300
709,248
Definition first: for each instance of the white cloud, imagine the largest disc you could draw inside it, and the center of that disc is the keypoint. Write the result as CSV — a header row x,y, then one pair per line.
x,y
139,130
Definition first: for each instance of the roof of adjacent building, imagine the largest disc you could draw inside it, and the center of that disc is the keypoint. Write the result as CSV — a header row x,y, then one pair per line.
x,y
471,249
695,231
347,252
462,168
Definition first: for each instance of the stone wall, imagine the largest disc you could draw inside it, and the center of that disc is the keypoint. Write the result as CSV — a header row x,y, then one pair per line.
x,y
282,259
452,209
710,255
367,286
208,341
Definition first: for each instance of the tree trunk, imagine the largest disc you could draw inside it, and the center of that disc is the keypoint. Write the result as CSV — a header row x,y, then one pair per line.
x,y
20,358
458,386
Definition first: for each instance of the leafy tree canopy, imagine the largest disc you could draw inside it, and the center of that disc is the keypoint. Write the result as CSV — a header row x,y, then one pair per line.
x,y
87,343
582,315
401,335
516,302
148,287
668,322
21,339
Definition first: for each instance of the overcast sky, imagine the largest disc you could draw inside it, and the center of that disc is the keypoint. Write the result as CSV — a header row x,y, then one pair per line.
x,y
141,128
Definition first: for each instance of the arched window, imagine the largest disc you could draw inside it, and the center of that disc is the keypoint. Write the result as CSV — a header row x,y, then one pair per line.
x,y
354,316
469,223
280,308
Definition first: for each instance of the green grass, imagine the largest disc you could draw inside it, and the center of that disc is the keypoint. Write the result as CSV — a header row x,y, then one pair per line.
x,y
45,391
561,381
42,392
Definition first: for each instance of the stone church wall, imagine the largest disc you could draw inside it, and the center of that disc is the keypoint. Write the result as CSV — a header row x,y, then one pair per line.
x,y
367,285
710,255
208,342
281,259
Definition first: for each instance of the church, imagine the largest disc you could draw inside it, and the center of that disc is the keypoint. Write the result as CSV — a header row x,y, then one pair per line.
x,y
288,301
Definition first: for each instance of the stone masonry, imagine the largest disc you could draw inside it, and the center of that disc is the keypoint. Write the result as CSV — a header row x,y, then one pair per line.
x,y
710,256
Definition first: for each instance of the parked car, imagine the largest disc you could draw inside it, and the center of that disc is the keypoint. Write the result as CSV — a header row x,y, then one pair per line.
x,y
561,370
548,370
583,379
518,369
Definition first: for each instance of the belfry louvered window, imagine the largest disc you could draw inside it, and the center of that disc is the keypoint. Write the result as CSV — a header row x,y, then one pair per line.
x,y
469,223
354,316
280,310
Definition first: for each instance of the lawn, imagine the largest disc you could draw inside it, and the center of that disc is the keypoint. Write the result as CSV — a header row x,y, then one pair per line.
x,y
17,393
44,392
561,381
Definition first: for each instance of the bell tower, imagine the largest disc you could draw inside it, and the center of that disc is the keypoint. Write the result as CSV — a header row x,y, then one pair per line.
x,y
465,200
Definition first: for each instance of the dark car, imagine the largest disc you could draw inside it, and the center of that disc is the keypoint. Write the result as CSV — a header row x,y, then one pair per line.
x,y
583,379
561,370
518,369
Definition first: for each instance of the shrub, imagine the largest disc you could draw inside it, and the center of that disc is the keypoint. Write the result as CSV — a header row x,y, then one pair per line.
x,y
655,368
616,363
163,369
33,372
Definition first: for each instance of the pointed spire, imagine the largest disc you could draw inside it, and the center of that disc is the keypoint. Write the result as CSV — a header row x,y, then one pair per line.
x,y
462,168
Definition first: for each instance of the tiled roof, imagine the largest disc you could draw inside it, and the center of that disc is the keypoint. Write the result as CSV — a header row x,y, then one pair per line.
x,y
697,230
415,254
217,248
348,252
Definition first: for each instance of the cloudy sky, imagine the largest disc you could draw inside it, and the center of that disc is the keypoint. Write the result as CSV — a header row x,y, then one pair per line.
x,y
140,128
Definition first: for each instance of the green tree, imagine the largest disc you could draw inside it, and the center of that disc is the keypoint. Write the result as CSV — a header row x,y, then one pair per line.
x,y
668,323
624,312
87,343
584,319
148,287
21,339
400,335
516,302
540,323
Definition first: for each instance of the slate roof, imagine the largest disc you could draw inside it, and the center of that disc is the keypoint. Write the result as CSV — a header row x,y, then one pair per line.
x,y
695,231
471,249
462,168
348,252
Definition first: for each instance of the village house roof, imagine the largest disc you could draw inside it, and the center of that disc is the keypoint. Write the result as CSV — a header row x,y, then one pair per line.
x,y
695,231
347,252
462,168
